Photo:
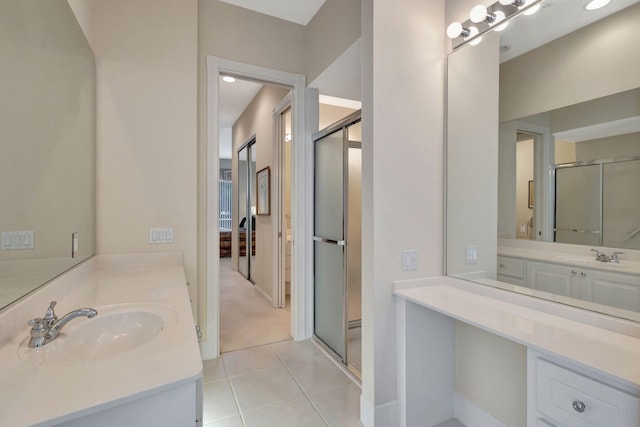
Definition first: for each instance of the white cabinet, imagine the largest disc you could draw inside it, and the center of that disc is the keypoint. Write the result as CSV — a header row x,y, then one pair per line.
x,y
511,270
561,394
614,289
553,278
603,287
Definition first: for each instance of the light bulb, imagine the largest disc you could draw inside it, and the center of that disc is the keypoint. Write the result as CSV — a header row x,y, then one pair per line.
x,y
455,30
228,79
480,14
500,16
475,41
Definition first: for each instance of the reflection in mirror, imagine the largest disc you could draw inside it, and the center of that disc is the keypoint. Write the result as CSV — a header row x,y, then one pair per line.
x,y
568,151
47,82
247,209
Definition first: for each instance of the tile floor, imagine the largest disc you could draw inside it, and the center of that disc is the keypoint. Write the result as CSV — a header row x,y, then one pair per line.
x,y
283,384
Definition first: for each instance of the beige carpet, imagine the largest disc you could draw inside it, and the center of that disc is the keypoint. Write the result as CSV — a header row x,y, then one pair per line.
x,y
247,318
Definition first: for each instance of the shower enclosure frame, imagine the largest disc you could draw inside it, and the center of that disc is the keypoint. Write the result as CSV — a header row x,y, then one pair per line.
x,y
340,126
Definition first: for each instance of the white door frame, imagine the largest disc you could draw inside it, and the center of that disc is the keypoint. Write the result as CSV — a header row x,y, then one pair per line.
x,y
305,122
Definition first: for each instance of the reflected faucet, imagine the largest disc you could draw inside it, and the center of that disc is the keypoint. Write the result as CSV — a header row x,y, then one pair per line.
x,y
602,257
44,330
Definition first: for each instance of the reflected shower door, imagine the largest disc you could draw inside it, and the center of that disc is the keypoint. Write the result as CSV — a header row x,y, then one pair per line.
x,y
329,242
578,205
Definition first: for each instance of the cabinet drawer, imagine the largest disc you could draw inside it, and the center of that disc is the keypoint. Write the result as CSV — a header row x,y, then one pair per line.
x,y
578,401
542,423
511,267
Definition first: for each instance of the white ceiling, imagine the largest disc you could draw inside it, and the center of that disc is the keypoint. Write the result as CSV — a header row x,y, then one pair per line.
x,y
234,98
298,11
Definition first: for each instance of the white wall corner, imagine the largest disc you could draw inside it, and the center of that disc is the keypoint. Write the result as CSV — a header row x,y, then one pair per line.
x,y
470,415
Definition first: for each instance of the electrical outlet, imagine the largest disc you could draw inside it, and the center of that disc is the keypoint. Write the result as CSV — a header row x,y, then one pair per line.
x,y
409,260
471,255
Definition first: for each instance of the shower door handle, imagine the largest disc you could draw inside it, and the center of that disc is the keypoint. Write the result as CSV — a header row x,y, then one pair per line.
x,y
332,242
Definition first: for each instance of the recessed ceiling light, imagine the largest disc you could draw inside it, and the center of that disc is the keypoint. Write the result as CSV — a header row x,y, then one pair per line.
x,y
229,79
596,4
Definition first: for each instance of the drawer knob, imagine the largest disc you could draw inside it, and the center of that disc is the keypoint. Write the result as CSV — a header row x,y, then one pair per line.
x,y
583,274
579,406
501,265
574,272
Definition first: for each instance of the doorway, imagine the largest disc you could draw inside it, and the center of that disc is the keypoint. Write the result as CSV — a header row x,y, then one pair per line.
x,y
337,240
304,103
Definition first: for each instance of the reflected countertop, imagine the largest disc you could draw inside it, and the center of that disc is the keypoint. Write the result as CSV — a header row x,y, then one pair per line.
x,y
569,255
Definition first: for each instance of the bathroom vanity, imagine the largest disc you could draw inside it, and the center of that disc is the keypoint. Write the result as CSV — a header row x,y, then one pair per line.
x,y
582,367
571,271
137,362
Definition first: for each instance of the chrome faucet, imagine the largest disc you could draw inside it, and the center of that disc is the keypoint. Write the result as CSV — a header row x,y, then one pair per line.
x,y
600,256
46,329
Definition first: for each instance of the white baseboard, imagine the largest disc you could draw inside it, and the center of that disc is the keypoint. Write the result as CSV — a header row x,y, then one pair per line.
x,y
472,416
367,412
384,415
264,294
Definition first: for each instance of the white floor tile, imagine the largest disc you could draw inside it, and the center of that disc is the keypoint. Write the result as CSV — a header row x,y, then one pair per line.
x,y
294,413
213,370
218,401
250,359
318,374
340,406
296,351
266,387
227,422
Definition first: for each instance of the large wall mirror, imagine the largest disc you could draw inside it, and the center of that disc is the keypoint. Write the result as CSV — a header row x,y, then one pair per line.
x,y
47,153
543,157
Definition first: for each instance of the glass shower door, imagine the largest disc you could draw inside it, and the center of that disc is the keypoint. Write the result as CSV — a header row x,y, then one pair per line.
x,y
329,242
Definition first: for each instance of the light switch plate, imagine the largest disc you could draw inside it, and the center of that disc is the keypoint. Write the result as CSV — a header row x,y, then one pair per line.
x,y
160,235
409,260
16,240
471,255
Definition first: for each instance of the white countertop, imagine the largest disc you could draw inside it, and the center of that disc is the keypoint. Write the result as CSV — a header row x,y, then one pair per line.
x,y
596,341
570,255
45,388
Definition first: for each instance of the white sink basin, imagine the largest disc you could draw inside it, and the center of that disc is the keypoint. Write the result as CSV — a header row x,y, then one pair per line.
x,y
115,330
111,334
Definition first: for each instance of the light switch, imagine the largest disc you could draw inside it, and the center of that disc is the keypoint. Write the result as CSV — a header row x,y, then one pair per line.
x,y
16,240
471,255
160,235
409,260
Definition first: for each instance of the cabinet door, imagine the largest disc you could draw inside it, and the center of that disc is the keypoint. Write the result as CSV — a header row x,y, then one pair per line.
x,y
557,279
613,289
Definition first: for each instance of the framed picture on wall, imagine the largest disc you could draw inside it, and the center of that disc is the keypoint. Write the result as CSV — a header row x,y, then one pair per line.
x,y
530,194
264,191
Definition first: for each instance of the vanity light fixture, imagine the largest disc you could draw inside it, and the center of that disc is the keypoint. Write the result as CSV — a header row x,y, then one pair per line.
x,y
484,18
229,79
596,4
